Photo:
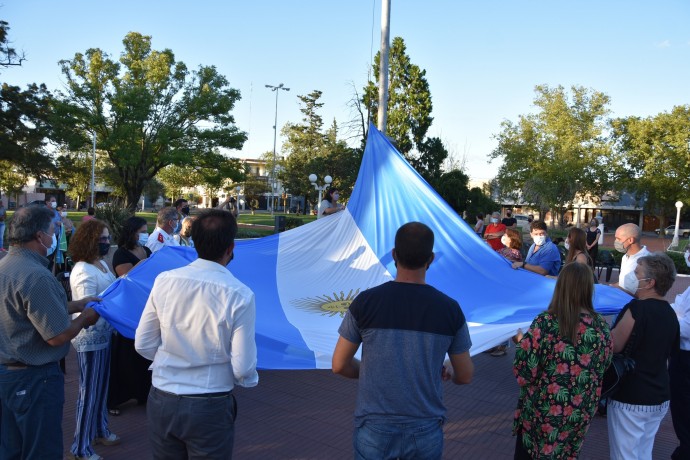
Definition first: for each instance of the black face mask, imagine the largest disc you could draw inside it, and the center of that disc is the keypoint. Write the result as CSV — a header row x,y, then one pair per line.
x,y
103,248
185,210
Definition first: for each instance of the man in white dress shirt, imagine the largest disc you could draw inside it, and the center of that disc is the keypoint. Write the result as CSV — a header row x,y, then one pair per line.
x,y
198,328
163,234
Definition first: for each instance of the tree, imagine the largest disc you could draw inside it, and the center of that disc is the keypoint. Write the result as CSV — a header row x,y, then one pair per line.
x,y
409,99
12,179
550,156
254,188
653,159
8,55
74,170
148,112
24,128
305,142
452,186
175,178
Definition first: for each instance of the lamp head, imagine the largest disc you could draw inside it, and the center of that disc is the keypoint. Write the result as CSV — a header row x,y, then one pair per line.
x,y
312,178
328,179
679,204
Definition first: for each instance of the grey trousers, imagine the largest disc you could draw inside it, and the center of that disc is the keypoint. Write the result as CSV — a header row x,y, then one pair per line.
x,y
184,427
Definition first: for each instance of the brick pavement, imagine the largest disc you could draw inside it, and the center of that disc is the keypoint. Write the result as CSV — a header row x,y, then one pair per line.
x,y
308,415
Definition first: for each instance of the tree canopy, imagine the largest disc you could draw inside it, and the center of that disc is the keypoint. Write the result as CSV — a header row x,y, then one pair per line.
x,y
148,111
561,150
652,158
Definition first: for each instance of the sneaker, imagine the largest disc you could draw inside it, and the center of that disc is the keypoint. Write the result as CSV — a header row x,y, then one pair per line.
x,y
111,440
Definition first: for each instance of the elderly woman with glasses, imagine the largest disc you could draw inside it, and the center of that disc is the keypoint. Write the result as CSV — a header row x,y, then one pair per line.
x,y
647,330
90,277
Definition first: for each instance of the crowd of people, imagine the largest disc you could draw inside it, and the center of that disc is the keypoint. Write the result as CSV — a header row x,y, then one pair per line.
x,y
184,362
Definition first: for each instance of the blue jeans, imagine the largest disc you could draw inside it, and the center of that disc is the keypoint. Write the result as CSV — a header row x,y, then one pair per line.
x,y
2,234
422,439
32,401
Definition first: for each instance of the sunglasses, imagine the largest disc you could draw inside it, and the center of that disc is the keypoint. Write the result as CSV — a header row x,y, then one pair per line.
x,y
105,239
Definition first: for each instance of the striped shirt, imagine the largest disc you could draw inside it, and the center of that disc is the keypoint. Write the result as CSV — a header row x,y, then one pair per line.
x,y
34,309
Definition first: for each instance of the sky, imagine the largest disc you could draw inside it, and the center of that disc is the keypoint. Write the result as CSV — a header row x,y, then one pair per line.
x,y
482,59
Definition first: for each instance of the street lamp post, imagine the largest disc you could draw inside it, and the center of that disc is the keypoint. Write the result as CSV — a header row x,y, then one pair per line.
x,y
93,171
275,138
320,188
674,243
237,189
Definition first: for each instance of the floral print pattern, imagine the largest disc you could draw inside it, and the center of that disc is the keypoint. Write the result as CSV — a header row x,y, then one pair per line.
x,y
560,384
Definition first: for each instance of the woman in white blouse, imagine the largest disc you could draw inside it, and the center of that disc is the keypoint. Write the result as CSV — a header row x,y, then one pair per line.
x,y
90,277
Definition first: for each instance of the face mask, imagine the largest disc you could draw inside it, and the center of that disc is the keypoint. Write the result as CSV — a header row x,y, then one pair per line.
x,y
687,258
53,204
620,247
185,210
52,247
64,214
143,238
494,220
631,283
539,240
594,224
505,240
509,214
566,244
103,248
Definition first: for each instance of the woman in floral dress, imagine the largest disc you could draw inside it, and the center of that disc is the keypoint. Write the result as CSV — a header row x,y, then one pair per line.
x,y
559,364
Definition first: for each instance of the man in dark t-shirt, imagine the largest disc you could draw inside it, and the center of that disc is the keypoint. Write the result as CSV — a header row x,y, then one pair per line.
x,y
406,328
509,221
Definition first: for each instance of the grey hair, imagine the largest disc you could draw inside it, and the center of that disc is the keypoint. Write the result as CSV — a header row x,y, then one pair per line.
x,y
166,214
659,267
496,214
28,221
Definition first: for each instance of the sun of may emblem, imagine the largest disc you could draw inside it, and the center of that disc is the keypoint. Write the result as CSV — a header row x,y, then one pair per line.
x,y
327,305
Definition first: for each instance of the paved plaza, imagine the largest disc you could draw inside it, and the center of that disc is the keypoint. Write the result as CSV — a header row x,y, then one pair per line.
x,y
308,414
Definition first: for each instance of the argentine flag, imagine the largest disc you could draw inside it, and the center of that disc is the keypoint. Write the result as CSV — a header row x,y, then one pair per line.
x,y
304,279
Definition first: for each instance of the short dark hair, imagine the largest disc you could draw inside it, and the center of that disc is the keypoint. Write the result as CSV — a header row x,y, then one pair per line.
x,y
129,234
414,245
213,231
537,225
28,221
48,197
179,202
91,211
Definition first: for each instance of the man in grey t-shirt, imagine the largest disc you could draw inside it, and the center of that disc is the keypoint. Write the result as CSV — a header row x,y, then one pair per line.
x,y
406,328
35,331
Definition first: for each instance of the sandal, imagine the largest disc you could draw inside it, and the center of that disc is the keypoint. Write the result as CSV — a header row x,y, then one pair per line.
x,y
499,351
114,412
111,440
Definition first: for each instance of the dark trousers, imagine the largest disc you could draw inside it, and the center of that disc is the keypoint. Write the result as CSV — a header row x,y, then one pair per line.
x,y
184,427
520,451
32,401
679,370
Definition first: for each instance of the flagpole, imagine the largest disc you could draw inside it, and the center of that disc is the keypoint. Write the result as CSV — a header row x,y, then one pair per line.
x,y
383,65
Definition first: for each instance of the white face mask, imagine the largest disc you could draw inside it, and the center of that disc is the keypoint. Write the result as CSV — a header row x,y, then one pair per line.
x,y
539,240
53,245
631,283
494,220
505,240
53,204
566,244
143,238
64,214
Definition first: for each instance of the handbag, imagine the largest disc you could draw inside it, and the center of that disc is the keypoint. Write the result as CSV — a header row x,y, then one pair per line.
x,y
620,367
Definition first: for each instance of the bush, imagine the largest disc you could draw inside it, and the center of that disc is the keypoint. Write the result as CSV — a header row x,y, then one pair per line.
x,y
679,260
114,215
243,233
293,222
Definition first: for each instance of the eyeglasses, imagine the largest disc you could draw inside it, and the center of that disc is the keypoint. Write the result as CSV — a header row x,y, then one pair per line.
x,y
105,239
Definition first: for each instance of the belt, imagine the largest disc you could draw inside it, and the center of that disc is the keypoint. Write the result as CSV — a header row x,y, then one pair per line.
x,y
221,394
15,365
